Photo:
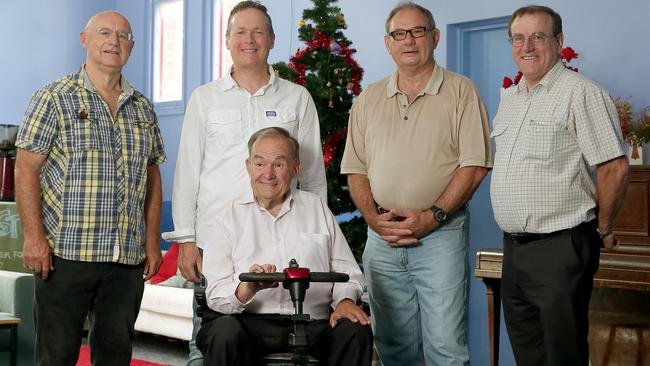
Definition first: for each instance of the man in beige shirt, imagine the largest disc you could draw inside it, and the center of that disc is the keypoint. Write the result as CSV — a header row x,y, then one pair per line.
x,y
417,148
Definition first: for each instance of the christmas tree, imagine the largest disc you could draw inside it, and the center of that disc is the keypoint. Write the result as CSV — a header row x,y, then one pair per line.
x,y
326,68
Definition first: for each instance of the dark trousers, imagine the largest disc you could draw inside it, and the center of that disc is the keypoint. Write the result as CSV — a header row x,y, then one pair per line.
x,y
546,287
109,293
242,339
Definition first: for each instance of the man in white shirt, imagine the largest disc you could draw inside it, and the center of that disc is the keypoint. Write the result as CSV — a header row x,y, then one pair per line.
x,y
261,231
553,131
219,119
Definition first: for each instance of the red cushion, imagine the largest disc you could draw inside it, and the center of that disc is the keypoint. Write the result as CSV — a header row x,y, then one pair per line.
x,y
168,266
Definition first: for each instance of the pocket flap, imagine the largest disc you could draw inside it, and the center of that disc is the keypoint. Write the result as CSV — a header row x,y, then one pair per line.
x,y
224,116
281,115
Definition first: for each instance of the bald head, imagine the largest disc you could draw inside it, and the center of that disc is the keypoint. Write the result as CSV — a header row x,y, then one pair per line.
x,y
109,41
106,17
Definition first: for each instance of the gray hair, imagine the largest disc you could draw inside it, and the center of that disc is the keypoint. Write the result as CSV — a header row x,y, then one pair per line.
x,y
249,4
537,9
275,132
431,23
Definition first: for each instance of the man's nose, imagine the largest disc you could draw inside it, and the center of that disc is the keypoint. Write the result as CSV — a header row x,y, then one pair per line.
x,y
112,36
409,38
268,170
528,43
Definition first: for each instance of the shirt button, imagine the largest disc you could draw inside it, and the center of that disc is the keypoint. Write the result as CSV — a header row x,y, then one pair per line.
x,y
406,117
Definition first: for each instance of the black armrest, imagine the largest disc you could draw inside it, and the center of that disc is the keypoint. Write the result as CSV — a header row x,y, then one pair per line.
x,y
199,296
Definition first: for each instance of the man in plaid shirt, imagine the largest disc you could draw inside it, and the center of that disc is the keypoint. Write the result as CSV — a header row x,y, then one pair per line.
x,y
86,176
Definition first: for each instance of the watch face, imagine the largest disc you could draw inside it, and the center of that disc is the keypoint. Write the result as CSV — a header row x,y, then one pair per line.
x,y
440,215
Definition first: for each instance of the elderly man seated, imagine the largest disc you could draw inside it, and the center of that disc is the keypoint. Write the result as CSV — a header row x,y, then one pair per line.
x,y
261,232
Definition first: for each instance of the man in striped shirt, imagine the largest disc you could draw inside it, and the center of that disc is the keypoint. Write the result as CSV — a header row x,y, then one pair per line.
x,y
89,197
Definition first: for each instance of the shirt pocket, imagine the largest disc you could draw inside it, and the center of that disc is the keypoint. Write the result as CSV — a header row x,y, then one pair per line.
x,y
80,134
225,127
314,250
138,138
498,132
285,118
543,139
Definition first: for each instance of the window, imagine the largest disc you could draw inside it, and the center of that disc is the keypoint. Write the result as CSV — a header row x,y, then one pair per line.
x,y
168,51
221,59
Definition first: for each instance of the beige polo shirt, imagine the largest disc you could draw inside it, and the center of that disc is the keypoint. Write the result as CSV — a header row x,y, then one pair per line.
x,y
410,152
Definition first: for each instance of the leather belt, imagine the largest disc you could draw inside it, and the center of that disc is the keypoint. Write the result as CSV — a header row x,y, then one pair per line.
x,y
523,238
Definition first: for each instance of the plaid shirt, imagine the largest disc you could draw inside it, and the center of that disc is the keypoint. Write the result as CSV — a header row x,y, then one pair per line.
x,y
94,180
548,141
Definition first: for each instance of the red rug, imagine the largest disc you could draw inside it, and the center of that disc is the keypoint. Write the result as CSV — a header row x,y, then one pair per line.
x,y
84,359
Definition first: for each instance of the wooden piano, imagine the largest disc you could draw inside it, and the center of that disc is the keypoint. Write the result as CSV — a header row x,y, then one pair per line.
x,y
626,268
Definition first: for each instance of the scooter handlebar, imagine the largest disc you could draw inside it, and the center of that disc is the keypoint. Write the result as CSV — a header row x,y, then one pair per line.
x,y
281,277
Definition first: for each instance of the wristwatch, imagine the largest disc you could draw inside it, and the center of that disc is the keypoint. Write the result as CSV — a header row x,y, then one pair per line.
x,y
604,234
439,214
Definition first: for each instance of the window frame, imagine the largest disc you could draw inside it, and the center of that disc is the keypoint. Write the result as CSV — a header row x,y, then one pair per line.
x,y
174,107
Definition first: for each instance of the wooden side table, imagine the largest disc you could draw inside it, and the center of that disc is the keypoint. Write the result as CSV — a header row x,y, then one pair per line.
x,y
10,323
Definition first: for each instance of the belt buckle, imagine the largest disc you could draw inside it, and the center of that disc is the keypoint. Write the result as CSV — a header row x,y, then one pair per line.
x,y
518,238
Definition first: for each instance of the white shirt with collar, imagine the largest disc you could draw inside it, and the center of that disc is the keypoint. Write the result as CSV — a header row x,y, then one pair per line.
x,y
548,142
219,120
305,229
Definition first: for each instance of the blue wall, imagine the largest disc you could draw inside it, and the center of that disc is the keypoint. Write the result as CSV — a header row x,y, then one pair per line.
x,y
42,44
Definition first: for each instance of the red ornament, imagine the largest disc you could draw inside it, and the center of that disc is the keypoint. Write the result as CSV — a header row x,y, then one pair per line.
x,y
321,41
567,54
330,145
507,82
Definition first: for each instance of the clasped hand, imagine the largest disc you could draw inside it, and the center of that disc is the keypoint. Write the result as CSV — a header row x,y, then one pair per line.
x,y
404,227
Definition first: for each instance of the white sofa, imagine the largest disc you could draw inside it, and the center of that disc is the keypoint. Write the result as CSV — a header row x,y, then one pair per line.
x,y
166,311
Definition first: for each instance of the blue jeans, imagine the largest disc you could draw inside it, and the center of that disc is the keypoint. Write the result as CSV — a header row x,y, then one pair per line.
x,y
418,296
195,357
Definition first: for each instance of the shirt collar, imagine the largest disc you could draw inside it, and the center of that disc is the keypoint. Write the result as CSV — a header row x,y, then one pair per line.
x,y
229,83
84,80
432,87
248,198
547,81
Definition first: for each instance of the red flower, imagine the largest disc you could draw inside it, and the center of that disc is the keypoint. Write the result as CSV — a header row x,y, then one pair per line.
x,y
507,82
568,54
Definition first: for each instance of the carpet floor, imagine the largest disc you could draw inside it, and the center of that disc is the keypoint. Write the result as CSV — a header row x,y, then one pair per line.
x,y
148,350
84,359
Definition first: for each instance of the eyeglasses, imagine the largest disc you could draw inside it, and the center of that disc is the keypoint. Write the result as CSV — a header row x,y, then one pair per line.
x,y
415,32
108,33
536,38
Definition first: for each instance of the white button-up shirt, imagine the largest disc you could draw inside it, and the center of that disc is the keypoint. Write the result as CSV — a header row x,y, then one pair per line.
x,y
219,120
548,140
305,229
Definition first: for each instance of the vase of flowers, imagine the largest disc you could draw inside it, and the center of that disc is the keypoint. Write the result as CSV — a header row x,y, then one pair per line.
x,y
635,128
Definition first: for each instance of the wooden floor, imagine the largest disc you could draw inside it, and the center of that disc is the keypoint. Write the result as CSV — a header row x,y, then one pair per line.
x,y
619,332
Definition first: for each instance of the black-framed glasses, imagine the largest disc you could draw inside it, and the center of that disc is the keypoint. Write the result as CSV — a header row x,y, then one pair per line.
x,y
537,38
107,33
415,32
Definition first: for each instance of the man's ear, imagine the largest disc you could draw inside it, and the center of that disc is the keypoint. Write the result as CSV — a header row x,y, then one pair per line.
x,y
297,168
560,40
248,166
435,33
83,37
